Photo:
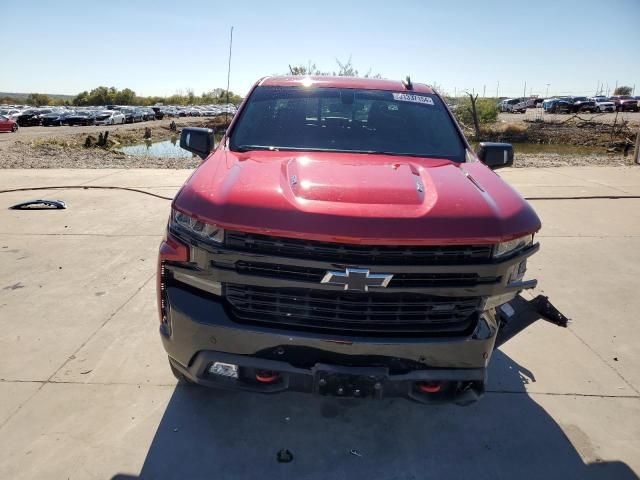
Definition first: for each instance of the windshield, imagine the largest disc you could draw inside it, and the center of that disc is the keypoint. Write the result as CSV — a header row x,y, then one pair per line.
x,y
347,120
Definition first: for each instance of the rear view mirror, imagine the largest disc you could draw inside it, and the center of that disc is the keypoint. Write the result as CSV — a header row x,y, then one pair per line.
x,y
495,155
197,140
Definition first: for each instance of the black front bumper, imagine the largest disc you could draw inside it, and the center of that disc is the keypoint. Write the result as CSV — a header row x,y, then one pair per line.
x,y
199,332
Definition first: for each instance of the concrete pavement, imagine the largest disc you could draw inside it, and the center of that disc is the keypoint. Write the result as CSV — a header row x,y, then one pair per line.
x,y
86,392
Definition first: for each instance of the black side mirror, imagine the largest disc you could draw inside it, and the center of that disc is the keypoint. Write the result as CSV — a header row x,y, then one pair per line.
x,y
495,155
197,140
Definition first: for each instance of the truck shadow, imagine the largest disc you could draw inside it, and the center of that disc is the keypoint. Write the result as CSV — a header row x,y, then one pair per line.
x,y
216,434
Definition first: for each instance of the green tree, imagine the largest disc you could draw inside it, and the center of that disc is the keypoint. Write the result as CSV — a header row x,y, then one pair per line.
x,y
486,110
38,99
623,90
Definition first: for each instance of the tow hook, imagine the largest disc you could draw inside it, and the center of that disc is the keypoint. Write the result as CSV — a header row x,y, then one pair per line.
x,y
519,313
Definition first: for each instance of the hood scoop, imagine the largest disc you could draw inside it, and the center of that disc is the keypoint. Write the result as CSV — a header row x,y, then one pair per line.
x,y
365,183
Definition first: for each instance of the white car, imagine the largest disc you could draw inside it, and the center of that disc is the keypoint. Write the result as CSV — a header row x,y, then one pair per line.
x,y
604,105
109,117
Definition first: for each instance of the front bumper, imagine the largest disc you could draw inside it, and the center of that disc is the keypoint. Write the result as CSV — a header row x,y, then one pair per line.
x,y
199,332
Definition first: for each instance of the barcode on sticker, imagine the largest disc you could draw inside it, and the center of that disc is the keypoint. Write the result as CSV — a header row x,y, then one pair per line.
x,y
409,97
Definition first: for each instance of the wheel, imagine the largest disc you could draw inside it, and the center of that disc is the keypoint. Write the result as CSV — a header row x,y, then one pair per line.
x,y
179,376
14,128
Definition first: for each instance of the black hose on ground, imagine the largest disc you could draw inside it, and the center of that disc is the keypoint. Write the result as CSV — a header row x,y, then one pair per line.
x,y
86,187
136,190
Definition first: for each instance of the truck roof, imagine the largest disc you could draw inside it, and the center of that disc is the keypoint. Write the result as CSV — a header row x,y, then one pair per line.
x,y
342,82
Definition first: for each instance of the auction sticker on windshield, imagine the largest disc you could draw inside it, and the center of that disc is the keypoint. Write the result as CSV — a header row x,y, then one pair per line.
x,y
408,97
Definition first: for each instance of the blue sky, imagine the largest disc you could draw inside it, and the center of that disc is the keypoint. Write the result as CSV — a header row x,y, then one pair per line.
x,y
160,47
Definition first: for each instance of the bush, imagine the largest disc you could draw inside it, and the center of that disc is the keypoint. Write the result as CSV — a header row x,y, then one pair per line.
x,y
486,108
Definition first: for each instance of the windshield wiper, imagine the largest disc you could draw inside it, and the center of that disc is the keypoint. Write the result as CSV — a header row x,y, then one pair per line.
x,y
248,148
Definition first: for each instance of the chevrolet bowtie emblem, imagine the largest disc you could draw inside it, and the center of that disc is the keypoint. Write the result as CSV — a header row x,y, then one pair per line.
x,y
357,279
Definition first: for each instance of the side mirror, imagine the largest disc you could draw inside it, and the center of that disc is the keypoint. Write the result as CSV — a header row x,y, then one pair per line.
x,y
495,155
197,140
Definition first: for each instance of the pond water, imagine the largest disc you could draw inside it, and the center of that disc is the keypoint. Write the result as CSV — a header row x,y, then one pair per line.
x,y
166,149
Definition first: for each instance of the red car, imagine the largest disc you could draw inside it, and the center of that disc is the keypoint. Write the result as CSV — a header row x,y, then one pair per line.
x,y
625,103
7,125
343,239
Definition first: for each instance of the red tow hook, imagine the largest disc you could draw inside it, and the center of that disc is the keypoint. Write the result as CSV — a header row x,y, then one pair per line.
x,y
266,376
429,387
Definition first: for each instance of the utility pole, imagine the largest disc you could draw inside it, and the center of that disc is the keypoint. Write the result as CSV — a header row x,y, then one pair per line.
x,y
614,91
226,110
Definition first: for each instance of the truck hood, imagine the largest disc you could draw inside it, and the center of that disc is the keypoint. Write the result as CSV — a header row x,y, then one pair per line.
x,y
356,198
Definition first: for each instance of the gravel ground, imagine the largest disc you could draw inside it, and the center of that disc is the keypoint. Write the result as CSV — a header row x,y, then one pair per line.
x,y
22,155
540,160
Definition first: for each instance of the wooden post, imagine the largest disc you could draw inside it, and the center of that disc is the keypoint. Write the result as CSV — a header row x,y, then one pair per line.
x,y
474,114
636,152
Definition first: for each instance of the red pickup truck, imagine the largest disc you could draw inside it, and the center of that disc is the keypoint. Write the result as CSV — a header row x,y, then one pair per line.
x,y
342,239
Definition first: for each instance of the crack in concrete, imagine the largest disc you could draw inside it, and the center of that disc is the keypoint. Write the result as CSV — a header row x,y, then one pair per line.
x,y
177,385
69,358
603,360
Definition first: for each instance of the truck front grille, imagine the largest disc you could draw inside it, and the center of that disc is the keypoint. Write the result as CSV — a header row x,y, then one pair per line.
x,y
400,280
358,254
368,313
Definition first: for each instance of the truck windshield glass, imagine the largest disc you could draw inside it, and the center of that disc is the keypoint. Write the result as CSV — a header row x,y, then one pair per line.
x,y
347,120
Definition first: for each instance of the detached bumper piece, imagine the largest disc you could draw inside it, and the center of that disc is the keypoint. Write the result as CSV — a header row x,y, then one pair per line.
x,y
518,314
460,386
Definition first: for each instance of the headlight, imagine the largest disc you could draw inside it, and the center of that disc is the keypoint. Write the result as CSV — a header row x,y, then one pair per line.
x,y
206,231
505,248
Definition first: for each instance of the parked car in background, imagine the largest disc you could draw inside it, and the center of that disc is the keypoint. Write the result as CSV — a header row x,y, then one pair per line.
x,y
10,113
557,105
159,113
522,104
132,115
582,104
148,114
29,118
81,118
625,103
54,118
603,104
109,117
507,104
8,125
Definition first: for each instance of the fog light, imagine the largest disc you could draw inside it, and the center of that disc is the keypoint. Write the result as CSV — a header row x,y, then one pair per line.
x,y
224,369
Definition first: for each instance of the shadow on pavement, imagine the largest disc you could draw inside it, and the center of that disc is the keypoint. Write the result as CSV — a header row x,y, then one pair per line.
x,y
217,434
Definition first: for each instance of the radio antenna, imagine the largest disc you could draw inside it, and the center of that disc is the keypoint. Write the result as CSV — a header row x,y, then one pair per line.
x,y
226,110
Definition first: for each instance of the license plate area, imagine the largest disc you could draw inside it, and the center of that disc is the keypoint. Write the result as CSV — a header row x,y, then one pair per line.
x,y
335,382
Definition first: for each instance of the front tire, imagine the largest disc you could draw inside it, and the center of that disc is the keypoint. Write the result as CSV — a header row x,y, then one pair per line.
x,y
14,128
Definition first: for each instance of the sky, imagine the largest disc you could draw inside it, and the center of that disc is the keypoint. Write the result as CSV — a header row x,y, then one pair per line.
x,y
162,47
